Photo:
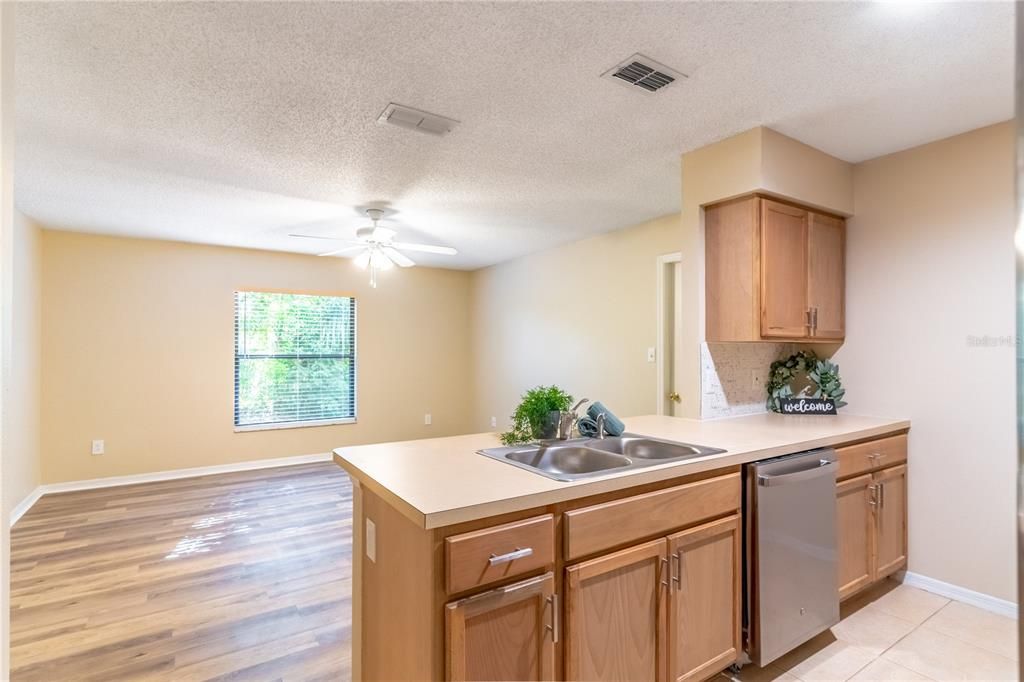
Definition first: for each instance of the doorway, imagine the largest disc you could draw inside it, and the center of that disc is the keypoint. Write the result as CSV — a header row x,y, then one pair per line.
x,y
667,351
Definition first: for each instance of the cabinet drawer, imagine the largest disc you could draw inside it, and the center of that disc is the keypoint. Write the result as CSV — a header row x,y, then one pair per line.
x,y
874,454
485,556
618,522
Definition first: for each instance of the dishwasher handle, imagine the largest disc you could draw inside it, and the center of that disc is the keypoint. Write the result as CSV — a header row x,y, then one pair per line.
x,y
823,467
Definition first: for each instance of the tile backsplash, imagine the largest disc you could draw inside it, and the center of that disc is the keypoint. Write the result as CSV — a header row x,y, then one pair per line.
x,y
733,376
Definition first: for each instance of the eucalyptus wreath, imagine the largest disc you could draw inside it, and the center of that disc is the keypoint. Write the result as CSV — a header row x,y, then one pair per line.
x,y
822,373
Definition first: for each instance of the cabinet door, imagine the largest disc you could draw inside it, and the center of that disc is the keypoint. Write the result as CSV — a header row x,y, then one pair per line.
x,y
890,520
705,600
504,634
732,271
855,527
826,279
784,309
615,615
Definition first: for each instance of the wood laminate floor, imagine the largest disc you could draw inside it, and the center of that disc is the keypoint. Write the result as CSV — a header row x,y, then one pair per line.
x,y
242,576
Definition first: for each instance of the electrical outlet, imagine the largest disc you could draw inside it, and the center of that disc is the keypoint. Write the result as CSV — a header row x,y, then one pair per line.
x,y
427,419
494,421
371,540
97,447
650,354
755,379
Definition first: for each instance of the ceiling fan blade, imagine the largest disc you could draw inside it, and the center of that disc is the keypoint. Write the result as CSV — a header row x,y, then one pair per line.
x,y
345,249
315,236
425,248
382,234
400,259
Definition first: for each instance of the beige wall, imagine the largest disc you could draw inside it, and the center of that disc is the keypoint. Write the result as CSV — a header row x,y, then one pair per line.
x,y
930,263
580,316
137,351
792,169
21,377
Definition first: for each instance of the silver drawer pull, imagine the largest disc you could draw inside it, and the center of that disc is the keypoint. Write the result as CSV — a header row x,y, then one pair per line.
x,y
511,556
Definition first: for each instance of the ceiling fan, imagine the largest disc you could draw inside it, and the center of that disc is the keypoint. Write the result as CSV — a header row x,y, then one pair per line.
x,y
375,248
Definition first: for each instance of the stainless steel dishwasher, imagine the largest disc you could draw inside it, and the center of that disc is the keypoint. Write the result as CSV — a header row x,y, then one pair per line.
x,y
792,566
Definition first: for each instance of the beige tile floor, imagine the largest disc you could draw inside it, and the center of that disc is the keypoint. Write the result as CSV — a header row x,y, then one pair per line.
x,y
896,632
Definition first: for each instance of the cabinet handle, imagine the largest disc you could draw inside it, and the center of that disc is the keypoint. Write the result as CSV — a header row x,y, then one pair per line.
x,y
510,556
873,500
553,627
677,577
814,320
881,495
808,324
664,572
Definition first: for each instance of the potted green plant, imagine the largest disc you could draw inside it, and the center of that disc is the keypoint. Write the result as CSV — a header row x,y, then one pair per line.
x,y
536,416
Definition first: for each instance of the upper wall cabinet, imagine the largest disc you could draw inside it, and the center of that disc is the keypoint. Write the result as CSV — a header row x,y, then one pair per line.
x,y
774,272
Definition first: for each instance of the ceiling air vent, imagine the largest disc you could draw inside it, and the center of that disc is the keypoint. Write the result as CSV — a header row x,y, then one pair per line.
x,y
644,73
414,119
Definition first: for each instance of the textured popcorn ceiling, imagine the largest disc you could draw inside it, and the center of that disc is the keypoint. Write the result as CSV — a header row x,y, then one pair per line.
x,y
236,123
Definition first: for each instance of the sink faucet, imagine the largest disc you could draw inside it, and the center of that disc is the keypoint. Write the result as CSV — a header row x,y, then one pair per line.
x,y
567,420
600,425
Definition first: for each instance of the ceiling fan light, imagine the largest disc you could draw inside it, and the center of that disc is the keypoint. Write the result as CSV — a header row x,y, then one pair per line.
x,y
380,261
363,260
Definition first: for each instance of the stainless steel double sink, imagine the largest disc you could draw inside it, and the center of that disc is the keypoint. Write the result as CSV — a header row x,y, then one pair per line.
x,y
570,460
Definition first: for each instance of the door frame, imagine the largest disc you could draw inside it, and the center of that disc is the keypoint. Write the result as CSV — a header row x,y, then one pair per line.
x,y
662,346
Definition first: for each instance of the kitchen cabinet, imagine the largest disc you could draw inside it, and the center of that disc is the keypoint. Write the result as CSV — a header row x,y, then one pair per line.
x,y
638,581
855,520
705,601
784,311
666,609
615,623
890,508
500,552
871,498
774,271
507,633
826,276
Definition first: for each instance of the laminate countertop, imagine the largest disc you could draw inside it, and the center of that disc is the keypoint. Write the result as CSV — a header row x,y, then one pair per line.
x,y
438,482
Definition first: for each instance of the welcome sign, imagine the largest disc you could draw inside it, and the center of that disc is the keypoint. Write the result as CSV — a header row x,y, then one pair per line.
x,y
807,406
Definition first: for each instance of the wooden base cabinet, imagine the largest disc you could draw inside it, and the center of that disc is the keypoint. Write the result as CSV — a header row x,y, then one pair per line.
x,y
707,595
854,499
890,508
615,623
872,513
668,609
507,633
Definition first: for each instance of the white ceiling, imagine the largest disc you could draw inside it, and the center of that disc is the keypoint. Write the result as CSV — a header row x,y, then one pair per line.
x,y
237,123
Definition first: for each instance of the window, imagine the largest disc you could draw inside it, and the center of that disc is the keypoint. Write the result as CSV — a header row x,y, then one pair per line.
x,y
295,359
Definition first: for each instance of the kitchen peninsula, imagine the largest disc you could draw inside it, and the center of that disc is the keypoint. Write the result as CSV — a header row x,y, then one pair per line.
x,y
468,568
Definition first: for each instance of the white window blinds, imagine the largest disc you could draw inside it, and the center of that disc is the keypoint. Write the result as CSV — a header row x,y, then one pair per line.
x,y
295,358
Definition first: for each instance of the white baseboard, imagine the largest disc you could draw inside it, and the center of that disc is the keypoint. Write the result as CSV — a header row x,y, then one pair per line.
x,y
987,602
113,481
26,504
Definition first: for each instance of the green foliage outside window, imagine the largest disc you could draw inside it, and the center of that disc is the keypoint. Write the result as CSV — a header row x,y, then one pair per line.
x,y
294,358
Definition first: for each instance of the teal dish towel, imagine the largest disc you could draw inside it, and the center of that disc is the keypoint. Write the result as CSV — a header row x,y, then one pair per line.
x,y
587,427
613,426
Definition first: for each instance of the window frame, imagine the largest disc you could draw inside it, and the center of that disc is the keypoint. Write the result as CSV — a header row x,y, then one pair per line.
x,y
306,423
